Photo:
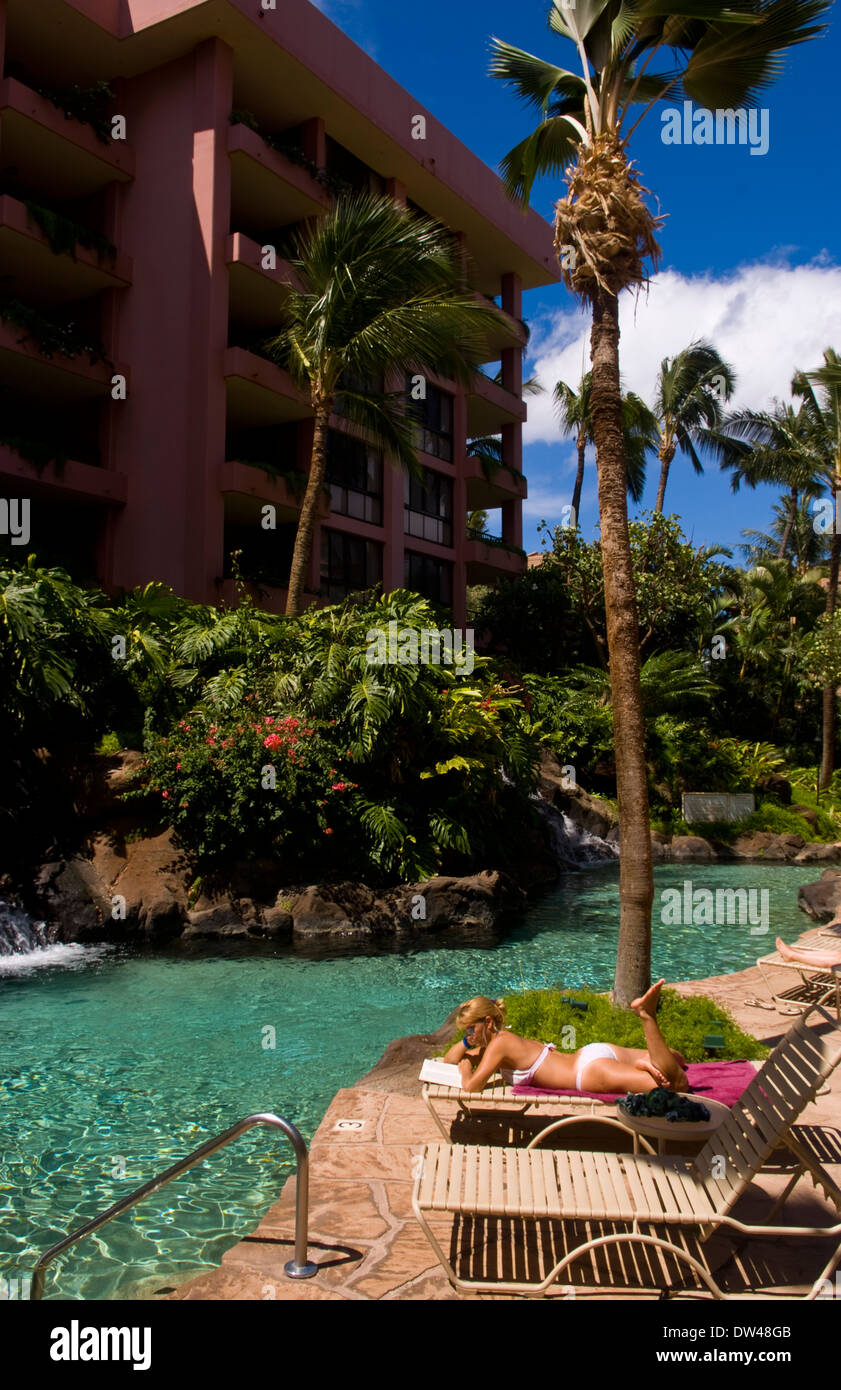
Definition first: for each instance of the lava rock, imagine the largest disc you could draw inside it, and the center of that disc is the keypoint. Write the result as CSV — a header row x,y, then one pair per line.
x,y
691,849
763,844
821,900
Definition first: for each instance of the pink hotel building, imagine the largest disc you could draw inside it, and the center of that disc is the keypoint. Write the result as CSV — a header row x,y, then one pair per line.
x,y
155,459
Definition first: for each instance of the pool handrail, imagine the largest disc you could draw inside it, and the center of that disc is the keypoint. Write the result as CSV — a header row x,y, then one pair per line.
x,y
297,1268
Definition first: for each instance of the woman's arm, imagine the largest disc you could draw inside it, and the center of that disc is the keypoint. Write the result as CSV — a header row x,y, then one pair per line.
x,y
456,1052
492,1060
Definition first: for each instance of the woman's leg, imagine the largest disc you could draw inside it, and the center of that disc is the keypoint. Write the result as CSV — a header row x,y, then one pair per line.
x,y
823,959
662,1056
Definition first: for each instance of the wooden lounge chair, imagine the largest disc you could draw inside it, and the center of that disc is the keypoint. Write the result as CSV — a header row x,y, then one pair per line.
x,y
816,985
628,1197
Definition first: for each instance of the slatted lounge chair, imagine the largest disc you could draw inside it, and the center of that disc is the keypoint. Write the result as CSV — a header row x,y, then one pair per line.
x,y
600,1200
816,984
498,1096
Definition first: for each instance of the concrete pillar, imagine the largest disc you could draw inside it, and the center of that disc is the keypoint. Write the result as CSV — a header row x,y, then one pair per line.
x,y
314,141
512,522
396,190
512,295
394,495
172,324
459,509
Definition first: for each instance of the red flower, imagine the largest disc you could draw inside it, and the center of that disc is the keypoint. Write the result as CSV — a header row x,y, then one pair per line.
x,y
273,741
328,831
177,767
339,787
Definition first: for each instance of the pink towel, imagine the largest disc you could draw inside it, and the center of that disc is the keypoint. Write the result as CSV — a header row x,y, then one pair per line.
x,y
722,1081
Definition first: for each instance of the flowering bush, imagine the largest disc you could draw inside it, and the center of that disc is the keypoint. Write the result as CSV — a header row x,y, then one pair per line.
x,y
248,784
404,770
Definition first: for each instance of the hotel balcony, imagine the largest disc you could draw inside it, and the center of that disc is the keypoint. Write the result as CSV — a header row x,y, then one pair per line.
x,y
56,152
489,560
247,488
71,481
268,189
33,271
260,393
510,333
257,295
485,493
490,406
55,379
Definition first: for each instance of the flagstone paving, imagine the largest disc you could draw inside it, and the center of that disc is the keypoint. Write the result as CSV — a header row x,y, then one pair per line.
x,y
367,1244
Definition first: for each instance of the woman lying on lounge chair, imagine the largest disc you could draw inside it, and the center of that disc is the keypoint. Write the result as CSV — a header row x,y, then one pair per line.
x,y
805,955
599,1067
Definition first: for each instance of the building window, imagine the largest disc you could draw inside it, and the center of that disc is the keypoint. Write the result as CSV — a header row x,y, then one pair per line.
x,y
355,477
434,421
348,563
428,507
430,577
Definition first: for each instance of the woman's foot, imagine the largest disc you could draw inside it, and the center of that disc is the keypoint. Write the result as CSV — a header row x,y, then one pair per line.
x,y
646,1065
646,1005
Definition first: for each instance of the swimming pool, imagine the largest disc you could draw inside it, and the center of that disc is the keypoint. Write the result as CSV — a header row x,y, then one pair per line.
x,y
117,1062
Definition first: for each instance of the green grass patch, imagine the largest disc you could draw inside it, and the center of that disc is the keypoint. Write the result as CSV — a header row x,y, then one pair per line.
x,y
684,1023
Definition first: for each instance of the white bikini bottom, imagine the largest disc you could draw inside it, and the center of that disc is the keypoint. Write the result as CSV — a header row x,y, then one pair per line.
x,y
591,1053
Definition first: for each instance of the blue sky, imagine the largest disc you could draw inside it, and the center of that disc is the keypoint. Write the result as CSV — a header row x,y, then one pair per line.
x,y
750,248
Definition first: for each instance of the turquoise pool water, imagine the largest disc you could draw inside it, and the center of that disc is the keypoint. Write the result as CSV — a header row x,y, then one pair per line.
x,y
117,1063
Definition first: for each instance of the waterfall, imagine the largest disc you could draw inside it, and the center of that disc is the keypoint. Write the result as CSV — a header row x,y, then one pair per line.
x,y
18,933
572,845
25,945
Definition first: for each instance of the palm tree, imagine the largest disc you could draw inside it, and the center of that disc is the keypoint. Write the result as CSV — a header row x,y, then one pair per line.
x,y
800,450
640,428
381,291
791,536
574,416
719,55
824,413
688,400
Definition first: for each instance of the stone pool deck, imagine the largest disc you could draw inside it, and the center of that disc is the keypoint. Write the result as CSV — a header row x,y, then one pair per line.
x,y
368,1245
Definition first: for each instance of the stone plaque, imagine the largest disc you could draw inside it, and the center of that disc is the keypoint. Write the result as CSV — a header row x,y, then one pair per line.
x,y
717,806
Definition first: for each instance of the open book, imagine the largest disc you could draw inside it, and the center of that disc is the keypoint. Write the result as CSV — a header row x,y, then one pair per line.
x,y
440,1073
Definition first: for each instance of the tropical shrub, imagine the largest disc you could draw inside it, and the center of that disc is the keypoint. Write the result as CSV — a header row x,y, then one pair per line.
x,y
410,768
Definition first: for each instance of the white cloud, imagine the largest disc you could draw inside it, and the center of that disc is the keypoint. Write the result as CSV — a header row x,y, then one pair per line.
x,y
765,319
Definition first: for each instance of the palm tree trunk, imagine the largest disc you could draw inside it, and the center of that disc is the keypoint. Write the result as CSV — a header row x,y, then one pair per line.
x,y
306,521
792,513
666,456
579,478
829,697
636,883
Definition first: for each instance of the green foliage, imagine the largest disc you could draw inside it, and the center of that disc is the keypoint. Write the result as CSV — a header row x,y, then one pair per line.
x,y
54,655
820,652
683,1022
552,617
90,105
64,234
68,339
428,766
769,815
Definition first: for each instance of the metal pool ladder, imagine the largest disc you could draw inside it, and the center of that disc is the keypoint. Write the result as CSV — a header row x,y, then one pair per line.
x,y
298,1268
